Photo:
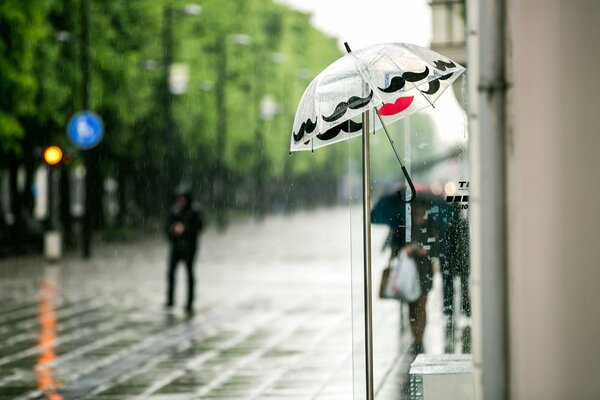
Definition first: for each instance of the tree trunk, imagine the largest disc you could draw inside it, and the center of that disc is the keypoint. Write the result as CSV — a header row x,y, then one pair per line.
x,y
65,206
122,193
15,228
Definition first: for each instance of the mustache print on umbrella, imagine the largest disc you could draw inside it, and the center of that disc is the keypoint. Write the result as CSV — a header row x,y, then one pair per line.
x,y
353,103
442,65
398,82
346,126
307,127
434,85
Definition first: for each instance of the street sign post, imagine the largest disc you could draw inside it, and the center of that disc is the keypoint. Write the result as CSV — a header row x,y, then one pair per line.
x,y
85,130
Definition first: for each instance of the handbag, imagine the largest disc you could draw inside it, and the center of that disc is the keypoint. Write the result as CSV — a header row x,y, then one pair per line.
x,y
385,277
385,291
403,280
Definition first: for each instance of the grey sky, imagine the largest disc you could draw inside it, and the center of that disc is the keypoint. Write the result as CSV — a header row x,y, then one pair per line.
x,y
365,22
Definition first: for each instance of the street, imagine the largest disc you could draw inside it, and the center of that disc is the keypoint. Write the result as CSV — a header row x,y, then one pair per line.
x,y
273,319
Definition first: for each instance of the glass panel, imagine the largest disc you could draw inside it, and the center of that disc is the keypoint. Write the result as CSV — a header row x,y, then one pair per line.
x,y
355,201
433,146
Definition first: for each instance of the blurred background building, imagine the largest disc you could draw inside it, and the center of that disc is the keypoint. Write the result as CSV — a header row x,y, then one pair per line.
x,y
533,157
448,29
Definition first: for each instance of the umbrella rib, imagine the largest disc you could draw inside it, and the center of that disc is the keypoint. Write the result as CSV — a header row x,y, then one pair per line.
x,y
363,73
388,136
404,171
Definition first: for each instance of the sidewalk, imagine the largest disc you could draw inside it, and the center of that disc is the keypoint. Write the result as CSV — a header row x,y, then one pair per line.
x,y
272,320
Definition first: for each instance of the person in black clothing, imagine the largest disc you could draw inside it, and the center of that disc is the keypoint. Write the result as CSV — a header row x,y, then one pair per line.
x,y
184,224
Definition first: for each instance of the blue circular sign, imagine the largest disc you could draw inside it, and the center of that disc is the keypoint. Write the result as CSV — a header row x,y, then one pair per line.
x,y
85,129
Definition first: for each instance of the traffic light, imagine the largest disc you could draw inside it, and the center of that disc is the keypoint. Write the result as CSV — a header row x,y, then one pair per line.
x,y
53,155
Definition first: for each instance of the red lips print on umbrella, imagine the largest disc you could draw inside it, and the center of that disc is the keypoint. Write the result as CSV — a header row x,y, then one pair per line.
x,y
401,104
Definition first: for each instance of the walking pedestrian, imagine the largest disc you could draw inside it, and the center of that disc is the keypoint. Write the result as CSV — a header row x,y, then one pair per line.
x,y
184,224
422,247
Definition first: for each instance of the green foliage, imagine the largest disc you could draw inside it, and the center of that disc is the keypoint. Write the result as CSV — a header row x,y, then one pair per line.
x,y
282,44
41,83
22,26
10,131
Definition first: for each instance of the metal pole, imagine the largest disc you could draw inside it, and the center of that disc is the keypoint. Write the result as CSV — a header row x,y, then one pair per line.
x,y
366,172
89,157
259,149
53,234
407,160
167,101
489,202
54,206
220,98
219,186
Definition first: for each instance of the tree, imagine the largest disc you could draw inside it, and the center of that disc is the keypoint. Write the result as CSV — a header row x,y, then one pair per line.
x,y
22,27
41,85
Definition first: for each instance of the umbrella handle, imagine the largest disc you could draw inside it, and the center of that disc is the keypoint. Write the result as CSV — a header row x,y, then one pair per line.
x,y
413,195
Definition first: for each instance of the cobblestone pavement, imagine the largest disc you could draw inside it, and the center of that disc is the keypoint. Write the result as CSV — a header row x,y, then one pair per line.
x,y
273,320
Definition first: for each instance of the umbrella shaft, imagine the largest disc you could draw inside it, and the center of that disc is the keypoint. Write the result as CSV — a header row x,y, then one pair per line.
x,y
388,136
366,172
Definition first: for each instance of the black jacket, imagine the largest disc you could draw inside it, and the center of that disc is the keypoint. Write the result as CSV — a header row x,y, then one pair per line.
x,y
192,220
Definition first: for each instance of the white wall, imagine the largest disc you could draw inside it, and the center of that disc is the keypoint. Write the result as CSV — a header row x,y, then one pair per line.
x,y
553,189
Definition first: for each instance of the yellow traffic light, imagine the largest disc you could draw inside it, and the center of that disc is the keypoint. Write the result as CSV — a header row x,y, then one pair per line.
x,y
53,155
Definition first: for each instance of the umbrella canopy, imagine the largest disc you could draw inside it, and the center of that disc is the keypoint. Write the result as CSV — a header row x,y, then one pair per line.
x,y
395,79
390,211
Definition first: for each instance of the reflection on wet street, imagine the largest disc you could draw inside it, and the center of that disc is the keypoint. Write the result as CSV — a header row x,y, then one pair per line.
x,y
47,321
273,319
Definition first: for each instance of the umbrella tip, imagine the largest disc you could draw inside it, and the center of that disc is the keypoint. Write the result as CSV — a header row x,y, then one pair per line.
x,y
347,46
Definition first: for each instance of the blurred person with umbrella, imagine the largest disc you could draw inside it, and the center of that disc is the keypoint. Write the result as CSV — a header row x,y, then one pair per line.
x,y
184,224
419,230
453,245
422,247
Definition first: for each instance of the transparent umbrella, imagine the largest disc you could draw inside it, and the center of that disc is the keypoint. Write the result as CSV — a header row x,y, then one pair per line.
x,y
393,79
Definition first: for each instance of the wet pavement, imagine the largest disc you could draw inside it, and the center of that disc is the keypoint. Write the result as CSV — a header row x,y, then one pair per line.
x,y
273,319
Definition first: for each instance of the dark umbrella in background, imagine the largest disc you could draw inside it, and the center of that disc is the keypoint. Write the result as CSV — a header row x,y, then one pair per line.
x,y
390,211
